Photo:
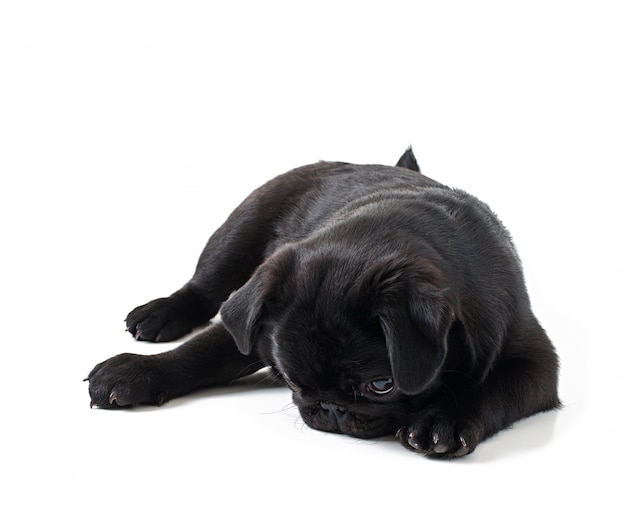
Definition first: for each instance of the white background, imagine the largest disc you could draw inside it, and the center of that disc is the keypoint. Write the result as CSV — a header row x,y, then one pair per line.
x,y
130,129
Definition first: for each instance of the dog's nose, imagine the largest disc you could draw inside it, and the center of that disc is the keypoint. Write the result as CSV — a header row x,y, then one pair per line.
x,y
332,407
335,411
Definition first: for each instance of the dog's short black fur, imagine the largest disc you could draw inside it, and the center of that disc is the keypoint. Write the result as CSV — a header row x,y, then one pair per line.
x,y
387,302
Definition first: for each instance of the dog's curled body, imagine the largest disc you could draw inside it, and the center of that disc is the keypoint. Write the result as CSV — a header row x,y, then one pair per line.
x,y
387,302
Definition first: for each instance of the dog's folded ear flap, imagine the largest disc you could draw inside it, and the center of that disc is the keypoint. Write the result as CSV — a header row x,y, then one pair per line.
x,y
417,352
415,317
243,311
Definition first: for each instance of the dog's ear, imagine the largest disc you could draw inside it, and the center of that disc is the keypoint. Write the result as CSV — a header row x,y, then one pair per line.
x,y
244,310
410,301
241,313
408,160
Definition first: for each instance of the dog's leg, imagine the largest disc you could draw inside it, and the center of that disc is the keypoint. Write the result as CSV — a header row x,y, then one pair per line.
x,y
230,257
523,383
209,359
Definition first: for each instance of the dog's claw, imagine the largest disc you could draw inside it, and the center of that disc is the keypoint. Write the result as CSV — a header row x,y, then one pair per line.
x,y
437,447
412,440
114,398
91,404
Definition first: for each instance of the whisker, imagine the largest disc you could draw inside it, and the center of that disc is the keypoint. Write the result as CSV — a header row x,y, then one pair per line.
x,y
241,374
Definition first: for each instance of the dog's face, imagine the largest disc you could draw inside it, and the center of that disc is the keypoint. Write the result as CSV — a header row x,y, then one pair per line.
x,y
357,343
339,372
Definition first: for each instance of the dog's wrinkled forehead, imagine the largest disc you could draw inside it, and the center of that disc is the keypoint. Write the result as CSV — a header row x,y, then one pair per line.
x,y
311,354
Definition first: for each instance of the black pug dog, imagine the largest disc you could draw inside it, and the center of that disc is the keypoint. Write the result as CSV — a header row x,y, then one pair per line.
x,y
387,302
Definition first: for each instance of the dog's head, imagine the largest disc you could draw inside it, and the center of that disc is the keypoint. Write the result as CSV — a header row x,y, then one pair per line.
x,y
356,341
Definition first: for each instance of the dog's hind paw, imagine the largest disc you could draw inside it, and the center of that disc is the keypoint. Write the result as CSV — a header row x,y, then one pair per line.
x,y
166,319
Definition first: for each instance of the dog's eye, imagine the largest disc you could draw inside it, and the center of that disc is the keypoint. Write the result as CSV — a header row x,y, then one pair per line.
x,y
380,387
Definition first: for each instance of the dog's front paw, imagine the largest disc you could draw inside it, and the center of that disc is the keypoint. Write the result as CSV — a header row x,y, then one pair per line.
x,y
439,433
165,319
127,380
